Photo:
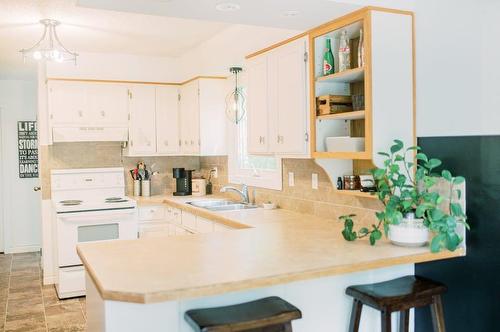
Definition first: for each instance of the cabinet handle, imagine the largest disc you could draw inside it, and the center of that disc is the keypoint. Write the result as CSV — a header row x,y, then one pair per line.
x,y
192,142
185,142
165,143
131,143
80,113
103,113
148,143
307,137
180,143
278,139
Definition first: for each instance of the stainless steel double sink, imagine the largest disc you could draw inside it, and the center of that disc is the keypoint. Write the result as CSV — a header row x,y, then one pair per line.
x,y
221,205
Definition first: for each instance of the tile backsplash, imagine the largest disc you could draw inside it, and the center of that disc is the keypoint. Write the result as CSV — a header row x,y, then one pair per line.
x,y
109,154
323,202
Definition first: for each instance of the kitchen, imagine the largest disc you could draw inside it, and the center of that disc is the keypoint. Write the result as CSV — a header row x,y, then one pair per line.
x,y
150,91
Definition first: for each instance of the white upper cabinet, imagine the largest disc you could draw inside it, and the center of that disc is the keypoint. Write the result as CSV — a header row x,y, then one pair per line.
x,y
67,102
107,104
142,129
190,118
289,108
167,120
258,104
202,117
278,113
212,103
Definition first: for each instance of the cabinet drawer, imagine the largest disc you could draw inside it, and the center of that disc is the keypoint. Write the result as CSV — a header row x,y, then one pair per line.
x,y
154,230
204,225
173,215
72,279
152,213
188,220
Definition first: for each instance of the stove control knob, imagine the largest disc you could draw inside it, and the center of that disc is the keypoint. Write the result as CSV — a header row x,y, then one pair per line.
x,y
37,188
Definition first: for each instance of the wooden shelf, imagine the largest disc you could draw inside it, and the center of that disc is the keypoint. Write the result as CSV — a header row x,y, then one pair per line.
x,y
348,76
357,193
355,155
355,115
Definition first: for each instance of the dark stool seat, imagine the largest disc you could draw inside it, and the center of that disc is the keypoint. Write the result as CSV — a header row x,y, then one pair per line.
x,y
399,294
267,314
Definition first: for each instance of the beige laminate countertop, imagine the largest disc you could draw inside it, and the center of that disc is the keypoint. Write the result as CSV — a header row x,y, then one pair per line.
x,y
272,247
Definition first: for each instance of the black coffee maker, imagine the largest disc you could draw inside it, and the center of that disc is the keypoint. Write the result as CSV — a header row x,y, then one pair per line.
x,y
183,181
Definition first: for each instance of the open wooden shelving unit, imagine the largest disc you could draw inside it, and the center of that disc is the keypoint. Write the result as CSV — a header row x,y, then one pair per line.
x,y
393,90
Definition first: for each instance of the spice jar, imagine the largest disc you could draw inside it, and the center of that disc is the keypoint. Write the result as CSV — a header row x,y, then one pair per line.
x,y
352,182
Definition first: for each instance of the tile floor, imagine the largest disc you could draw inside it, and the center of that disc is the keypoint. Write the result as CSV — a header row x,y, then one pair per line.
x,y
27,305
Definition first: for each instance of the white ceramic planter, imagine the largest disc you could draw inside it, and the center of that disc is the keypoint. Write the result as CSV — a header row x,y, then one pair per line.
x,y
409,233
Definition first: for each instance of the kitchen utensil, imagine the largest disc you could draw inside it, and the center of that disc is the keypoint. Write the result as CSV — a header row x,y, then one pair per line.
x,y
145,188
137,188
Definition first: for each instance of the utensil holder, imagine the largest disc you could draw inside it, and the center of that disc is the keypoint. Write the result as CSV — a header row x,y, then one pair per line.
x,y
137,187
145,188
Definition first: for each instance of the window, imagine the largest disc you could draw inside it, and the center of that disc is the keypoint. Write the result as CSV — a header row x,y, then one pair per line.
x,y
258,171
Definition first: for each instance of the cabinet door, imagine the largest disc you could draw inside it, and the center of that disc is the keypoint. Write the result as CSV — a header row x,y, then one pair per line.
x,y
190,118
67,103
108,104
213,119
257,104
167,119
142,131
289,99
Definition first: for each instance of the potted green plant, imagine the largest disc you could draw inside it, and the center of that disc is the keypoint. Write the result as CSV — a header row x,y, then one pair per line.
x,y
412,207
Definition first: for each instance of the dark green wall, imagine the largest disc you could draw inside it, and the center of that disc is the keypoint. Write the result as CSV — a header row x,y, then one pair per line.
x,y
472,303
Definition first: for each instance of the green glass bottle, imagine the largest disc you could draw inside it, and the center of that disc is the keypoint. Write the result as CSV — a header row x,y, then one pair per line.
x,y
328,62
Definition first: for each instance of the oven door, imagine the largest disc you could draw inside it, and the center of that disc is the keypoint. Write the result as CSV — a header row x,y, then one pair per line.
x,y
83,227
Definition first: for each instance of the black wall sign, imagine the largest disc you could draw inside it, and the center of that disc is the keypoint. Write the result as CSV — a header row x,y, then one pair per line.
x,y
27,143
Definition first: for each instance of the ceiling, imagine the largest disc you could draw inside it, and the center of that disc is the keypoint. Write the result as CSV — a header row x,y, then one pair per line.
x,y
93,30
270,13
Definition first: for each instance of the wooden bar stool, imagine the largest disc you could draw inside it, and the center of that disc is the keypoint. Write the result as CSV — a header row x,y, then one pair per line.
x,y
401,295
270,314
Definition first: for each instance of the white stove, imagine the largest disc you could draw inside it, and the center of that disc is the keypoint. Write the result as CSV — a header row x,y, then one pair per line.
x,y
90,205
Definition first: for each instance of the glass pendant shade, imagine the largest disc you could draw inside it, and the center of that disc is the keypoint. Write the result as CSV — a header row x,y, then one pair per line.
x,y
235,101
49,47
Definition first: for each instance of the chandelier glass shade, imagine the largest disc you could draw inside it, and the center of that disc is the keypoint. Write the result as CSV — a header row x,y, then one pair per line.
x,y
235,101
49,47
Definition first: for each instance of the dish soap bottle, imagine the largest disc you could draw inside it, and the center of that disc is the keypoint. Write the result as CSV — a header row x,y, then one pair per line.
x,y
361,50
328,62
344,52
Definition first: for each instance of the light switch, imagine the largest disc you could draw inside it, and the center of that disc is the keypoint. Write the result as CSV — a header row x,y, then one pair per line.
x,y
291,179
314,180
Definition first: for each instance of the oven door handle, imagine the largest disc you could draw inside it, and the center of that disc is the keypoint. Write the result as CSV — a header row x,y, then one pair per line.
x,y
108,217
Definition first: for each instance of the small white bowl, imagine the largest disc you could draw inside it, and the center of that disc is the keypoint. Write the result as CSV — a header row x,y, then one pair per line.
x,y
269,206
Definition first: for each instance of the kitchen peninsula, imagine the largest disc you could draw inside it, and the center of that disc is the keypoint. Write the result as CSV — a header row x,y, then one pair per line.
x,y
148,284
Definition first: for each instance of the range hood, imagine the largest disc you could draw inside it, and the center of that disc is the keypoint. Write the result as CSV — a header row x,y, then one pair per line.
x,y
89,134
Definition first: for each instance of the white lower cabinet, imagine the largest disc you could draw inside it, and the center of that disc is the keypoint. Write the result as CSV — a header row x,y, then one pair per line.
x,y
161,220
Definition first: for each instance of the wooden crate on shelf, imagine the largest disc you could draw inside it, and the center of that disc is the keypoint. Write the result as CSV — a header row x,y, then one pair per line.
x,y
332,104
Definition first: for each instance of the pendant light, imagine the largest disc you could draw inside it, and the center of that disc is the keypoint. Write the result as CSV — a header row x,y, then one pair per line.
x,y
235,101
49,47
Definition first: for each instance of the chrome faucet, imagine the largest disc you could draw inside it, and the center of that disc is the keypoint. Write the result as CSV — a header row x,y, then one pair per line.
x,y
243,192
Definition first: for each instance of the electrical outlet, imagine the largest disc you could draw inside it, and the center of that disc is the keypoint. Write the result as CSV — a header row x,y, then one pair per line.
x,y
291,179
314,180
215,172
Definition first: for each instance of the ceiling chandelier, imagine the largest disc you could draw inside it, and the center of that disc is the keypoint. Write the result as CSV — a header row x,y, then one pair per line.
x,y
49,47
235,101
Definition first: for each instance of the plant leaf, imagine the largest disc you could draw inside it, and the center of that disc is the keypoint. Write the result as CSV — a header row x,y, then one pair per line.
x,y
446,175
458,180
422,156
437,242
363,231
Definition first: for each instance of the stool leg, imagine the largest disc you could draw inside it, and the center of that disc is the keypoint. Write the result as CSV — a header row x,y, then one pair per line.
x,y
287,327
437,314
404,320
386,320
357,307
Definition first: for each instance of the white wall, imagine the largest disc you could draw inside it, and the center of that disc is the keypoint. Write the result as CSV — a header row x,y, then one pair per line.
x,y
457,67
118,67
21,205
229,48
